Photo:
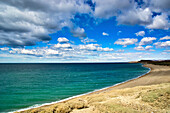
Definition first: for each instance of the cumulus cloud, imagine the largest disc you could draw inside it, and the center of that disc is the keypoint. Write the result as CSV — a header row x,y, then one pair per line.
x,y
105,49
140,33
110,8
62,51
78,32
94,47
136,16
89,47
165,38
23,23
159,22
125,56
65,45
126,41
162,44
62,40
62,43
147,40
75,54
40,52
132,12
105,34
141,48
148,47
161,5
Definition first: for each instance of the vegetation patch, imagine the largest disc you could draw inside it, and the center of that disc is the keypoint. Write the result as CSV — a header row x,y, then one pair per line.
x,y
157,97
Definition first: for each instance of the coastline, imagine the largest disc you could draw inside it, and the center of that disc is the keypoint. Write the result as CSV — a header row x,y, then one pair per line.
x,y
126,84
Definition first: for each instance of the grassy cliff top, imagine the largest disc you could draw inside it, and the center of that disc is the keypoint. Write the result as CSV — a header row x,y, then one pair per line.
x,y
161,62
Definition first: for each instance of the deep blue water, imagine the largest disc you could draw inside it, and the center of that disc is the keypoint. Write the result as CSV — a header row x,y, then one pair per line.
x,y
24,85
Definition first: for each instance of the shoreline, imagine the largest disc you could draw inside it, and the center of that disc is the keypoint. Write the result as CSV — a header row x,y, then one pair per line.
x,y
76,96
116,86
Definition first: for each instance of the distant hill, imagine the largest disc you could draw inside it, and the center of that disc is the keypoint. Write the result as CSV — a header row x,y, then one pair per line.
x,y
156,62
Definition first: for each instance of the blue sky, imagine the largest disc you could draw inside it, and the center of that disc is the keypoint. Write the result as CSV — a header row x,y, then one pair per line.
x,y
84,30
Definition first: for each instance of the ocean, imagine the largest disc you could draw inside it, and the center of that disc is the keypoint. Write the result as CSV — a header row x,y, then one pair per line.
x,y
30,84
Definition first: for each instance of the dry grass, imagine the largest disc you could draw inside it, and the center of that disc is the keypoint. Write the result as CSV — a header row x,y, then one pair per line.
x,y
158,97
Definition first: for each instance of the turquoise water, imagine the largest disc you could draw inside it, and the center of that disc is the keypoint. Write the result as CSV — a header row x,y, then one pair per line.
x,y
24,85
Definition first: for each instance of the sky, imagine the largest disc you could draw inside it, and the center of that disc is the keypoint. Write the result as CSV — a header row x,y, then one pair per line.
x,y
60,31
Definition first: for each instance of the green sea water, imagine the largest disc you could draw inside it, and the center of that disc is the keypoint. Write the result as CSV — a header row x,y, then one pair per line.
x,y
25,85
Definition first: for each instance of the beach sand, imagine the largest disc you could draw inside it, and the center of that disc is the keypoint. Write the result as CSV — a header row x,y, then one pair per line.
x,y
148,93
158,74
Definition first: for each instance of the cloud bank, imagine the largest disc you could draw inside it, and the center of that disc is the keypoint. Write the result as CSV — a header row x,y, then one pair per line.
x,y
23,23
26,22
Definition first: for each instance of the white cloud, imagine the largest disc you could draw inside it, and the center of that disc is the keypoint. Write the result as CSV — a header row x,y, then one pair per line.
x,y
65,45
87,40
94,47
4,49
124,56
160,4
89,47
40,52
148,47
131,12
140,33
104,49
135,16
63,52
24,51
51,52
105,34
119,32
74,55
159,22
110,8
78,32
147,40
165,38
126,41
141,48
162,44
62,40
23,23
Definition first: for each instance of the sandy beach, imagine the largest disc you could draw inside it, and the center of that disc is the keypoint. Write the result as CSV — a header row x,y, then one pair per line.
x,y
158,74
148,93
